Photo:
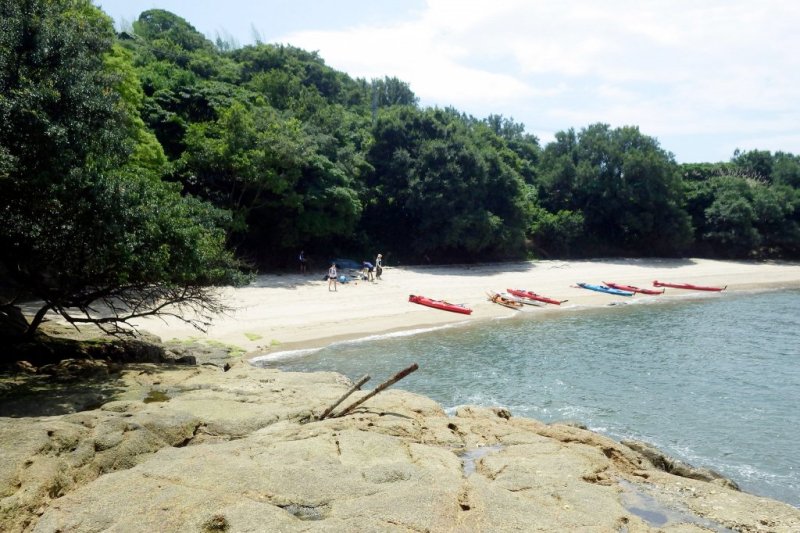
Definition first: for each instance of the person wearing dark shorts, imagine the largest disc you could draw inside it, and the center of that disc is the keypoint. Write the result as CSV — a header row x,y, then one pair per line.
x,y
368,269
303,262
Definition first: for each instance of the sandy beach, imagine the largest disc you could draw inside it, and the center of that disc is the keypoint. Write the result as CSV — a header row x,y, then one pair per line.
x,y
292,311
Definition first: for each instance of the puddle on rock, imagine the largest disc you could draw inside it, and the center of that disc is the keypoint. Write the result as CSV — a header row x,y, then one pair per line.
x,y
156,396
656,514
469,457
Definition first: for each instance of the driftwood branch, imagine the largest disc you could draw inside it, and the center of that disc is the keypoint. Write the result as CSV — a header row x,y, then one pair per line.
x,y
354,388
383,386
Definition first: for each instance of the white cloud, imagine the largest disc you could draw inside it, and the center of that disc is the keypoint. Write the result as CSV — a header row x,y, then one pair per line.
x,y
671,67
777,143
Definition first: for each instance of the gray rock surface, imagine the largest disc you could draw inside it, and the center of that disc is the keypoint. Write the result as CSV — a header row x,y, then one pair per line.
x,y
240,451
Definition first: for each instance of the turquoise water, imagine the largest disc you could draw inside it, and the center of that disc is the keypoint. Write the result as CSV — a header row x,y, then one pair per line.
x,y
714,381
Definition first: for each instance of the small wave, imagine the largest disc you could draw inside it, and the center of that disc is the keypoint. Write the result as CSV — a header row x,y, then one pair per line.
x,y
577,412
753,479
284,355
479,400
395,334
503,317
295,354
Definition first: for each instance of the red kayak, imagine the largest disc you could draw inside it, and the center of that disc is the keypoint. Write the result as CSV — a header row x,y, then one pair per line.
x,y
688,286
522,293
439,304
631,288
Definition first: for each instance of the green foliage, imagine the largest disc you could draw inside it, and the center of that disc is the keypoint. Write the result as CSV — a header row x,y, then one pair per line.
x,y
755,164
171,37
300,68
272,173
627,188
557,234
443,180
307,157
730,217
390,92
736,216
524,145
86,218
147,153
786,169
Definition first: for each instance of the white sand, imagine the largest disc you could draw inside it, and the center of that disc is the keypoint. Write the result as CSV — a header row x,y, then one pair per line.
x,y
284,312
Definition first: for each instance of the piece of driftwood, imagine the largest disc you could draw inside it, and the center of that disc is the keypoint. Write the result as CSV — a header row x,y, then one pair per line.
x,y
383,386
354,388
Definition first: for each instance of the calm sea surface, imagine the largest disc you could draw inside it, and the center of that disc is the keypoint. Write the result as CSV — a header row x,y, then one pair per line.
x,y
714,381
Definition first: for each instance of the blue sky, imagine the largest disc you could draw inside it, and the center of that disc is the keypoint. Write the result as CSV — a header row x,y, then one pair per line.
x,y
702,76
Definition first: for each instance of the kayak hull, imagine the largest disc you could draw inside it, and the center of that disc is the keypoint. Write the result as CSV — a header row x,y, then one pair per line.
x,y
688,286
499,299
526,301
439,304
631,288
603,288
530,295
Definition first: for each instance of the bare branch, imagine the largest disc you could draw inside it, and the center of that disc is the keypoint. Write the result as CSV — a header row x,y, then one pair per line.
x,y
192,305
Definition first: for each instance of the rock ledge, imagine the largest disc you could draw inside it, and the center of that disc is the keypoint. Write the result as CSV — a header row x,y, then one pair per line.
x,y
235,451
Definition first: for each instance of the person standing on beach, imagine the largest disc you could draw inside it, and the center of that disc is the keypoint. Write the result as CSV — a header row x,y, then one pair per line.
x,y
303,262
332,277
378,266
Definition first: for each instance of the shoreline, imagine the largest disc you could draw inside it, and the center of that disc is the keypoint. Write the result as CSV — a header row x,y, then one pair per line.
x,y
285,312
366,356
296,349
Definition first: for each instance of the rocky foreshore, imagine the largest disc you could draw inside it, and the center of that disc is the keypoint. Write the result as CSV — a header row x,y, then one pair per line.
x,y
197,448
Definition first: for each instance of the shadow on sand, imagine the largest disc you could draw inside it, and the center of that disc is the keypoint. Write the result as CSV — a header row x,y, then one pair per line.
x,y
483,269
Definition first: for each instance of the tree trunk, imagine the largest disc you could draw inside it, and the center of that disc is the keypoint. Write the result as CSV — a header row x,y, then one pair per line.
x,y
37,320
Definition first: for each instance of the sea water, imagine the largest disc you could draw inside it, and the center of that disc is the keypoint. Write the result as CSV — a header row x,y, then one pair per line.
x,y
711,380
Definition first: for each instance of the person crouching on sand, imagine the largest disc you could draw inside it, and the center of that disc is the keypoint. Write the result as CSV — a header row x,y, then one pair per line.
x,y
368,271
332,277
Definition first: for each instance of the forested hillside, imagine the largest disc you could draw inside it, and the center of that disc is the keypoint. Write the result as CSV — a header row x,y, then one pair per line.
x,y
305,157
155,157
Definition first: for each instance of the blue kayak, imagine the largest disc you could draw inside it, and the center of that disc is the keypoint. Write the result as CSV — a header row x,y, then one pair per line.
x,y
603,288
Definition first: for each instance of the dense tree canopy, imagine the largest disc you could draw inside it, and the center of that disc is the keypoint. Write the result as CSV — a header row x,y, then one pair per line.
x,y
737,215
86,218
307,157
451,183
129,161
626,187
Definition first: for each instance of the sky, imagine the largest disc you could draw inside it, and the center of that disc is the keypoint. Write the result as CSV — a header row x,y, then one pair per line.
x,y
704,77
